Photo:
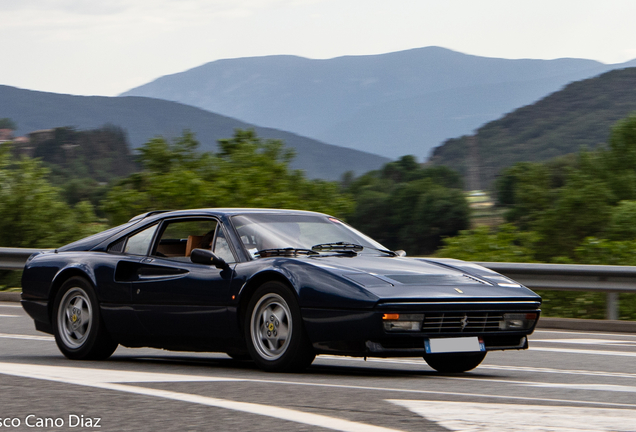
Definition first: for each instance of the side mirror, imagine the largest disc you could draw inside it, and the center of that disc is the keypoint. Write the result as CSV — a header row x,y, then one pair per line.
x,y
400,253
204,256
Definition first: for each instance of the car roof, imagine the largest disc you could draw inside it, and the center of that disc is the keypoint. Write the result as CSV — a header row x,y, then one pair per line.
x,y
222,212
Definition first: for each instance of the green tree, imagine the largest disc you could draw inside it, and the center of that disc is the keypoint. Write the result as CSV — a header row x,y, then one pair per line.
x,y
33,211
525,190
503,244
423,212
581,209
247,172
622,224
7,123
406,206
617,165
593,250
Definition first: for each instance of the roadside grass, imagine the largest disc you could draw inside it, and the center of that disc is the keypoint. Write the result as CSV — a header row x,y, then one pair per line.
x,y
586,305
10,280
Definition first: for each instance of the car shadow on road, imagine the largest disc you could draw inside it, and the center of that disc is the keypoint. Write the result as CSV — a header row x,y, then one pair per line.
x,y
360,369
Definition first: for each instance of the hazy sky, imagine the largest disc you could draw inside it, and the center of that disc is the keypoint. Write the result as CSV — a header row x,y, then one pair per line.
x,y
105,47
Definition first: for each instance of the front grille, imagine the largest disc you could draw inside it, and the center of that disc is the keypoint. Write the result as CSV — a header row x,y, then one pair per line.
x,y
460,322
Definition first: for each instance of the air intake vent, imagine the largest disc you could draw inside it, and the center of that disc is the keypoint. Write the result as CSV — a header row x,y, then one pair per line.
x,y
477,279
459,322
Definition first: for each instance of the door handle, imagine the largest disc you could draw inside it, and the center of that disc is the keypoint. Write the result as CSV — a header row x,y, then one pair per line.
x,y
147,260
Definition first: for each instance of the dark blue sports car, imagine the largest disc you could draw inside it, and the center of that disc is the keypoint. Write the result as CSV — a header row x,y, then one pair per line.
x,y
276,286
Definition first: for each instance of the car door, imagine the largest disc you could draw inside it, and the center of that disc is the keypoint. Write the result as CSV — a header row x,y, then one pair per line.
x,y
114,274
175,299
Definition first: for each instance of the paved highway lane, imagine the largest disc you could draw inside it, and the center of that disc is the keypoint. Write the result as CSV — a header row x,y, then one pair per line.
x,y
567,381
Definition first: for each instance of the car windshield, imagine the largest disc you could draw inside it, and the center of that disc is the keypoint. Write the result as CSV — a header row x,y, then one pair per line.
x,y
279,231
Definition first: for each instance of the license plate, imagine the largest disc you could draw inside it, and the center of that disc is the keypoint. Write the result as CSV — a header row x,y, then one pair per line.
x,y
453,345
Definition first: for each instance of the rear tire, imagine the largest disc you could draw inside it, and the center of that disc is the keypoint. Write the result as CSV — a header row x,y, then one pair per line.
x,y
79,331
274,332
454,363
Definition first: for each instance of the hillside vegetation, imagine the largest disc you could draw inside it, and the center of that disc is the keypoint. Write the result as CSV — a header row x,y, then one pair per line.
x,y
98,154
581,115
576,209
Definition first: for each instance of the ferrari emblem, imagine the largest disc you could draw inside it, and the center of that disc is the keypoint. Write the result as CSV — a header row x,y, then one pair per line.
x,y
464,321
459,291
270,326
74,318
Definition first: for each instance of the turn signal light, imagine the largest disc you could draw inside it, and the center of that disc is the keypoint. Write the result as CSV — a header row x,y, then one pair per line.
x,y
517,321
402,322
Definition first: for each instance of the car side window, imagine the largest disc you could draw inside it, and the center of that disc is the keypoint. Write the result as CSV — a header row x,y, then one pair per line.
x,y
180,237
222,248
138,244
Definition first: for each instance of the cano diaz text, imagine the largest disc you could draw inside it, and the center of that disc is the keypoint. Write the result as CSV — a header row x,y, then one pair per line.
x,y
34,421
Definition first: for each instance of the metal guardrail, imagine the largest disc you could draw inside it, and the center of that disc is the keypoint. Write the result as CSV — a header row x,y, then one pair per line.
x,y
15,258
560,277
611,280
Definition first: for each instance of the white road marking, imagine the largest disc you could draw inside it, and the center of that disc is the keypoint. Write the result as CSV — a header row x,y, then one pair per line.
x,y
600,387
10,306
484,417
489,367
588,341
572,332
417,362
10,316
82,376
259,409
26,337
580,351
108,379
90,376
597,387
560,371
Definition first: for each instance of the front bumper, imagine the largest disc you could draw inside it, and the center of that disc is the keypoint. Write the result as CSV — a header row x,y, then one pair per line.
x,y
361,333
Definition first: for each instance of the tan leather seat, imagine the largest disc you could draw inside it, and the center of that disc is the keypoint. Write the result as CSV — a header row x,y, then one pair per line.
x,y
193,243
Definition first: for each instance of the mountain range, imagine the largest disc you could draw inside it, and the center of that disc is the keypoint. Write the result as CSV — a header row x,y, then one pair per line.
x,y
144,118
393,104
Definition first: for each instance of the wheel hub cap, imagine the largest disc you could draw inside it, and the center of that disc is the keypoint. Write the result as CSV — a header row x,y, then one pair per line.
x,y
271,326
74,318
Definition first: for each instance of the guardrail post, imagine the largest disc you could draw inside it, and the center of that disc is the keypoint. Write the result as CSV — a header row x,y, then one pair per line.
x,y
612,306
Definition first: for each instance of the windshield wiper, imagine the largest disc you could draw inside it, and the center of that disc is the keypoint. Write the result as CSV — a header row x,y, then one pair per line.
x,y
286,252
347,247
386,251
337,247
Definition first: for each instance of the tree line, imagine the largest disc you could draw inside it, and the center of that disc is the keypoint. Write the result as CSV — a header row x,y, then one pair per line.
x,y
48,201
579,208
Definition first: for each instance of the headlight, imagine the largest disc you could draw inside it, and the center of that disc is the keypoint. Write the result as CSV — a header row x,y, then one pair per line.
x,y
517,321
402,322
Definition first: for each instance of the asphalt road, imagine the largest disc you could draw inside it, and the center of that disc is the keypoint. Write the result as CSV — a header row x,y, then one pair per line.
x,y
566,381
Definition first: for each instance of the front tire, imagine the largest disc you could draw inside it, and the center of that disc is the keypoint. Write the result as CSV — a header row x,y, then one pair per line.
x,y
79,331
454,363
274,332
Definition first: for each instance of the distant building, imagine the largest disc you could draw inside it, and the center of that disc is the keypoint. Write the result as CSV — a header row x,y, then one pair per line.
x,y
6,135
39,136
22,146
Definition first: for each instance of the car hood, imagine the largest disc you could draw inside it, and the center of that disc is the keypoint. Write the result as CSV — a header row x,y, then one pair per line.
x,y
414,278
